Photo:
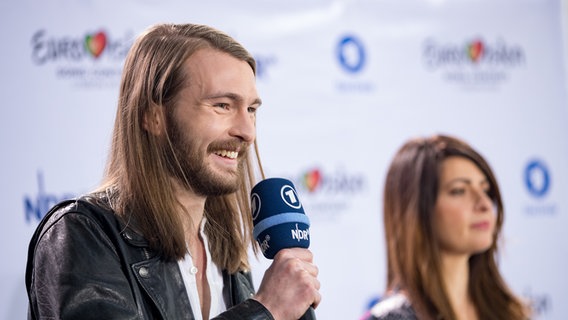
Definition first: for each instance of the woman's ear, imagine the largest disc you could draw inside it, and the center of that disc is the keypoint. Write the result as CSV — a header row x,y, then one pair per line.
x,y
153,121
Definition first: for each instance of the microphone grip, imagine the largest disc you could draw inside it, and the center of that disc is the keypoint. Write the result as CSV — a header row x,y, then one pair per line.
x,y
309,315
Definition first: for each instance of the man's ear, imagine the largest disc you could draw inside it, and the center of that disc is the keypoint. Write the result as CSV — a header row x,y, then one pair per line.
x,y
153,121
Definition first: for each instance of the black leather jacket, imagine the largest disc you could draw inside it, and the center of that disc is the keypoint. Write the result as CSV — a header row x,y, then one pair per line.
x,y
84,264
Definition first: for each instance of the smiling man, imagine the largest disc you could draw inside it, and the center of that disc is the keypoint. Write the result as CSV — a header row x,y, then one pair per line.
x,y
167,233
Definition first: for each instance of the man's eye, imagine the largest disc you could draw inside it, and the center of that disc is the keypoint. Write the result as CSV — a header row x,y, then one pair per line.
x,y
252,109
222,105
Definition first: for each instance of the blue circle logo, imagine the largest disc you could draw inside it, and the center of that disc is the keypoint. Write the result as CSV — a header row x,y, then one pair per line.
x,y
351,54
537,178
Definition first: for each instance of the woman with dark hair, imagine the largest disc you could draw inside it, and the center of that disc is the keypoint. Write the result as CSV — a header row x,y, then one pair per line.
x,y
443,216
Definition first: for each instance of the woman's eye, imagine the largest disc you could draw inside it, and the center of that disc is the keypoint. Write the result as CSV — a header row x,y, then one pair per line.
x,y
457,191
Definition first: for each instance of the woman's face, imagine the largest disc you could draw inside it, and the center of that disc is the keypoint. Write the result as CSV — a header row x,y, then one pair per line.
x,y
464,215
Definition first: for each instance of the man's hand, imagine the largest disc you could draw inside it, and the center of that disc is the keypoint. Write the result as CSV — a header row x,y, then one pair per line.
x,y
290,285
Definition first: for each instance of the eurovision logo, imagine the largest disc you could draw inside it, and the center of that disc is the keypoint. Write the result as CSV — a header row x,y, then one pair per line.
x,y
96,43
48,48
328,193
90,60
474,52
311,180
315,181
475,62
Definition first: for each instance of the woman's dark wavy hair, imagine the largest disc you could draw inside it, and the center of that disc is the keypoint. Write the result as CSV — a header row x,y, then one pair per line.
x,y
410,194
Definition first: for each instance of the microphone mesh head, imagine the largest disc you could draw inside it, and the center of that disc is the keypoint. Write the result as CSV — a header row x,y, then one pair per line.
x,y
278,216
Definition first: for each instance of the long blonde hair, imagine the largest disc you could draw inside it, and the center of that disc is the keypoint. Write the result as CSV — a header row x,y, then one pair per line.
x,y
136,172
410,194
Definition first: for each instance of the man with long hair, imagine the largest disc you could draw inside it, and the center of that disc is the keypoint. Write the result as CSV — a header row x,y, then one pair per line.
x,y
166,234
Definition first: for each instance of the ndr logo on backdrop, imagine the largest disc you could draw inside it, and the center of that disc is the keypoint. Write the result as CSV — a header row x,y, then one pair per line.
x,y
475,62
35,207
91,58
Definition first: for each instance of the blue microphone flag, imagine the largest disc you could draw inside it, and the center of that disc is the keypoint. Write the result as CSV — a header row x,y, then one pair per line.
x,y
278,216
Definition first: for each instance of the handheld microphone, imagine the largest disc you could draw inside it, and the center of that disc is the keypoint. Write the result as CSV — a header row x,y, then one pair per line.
x,y
279,220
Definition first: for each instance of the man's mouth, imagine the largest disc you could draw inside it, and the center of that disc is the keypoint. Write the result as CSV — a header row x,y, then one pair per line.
x,y
227,154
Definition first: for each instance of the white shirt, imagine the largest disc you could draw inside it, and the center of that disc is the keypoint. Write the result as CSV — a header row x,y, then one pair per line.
x,y
214,278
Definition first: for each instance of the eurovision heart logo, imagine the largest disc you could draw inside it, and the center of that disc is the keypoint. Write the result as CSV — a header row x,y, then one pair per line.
x,y
312,180
96,43
475,50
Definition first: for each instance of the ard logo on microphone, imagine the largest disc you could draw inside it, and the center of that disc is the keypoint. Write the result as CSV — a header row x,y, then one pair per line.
x,y
290,197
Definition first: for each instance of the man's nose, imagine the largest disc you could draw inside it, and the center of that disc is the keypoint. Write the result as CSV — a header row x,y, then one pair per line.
x,y
243,126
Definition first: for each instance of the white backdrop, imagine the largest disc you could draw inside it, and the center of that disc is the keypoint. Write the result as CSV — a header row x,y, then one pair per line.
x,y
344,83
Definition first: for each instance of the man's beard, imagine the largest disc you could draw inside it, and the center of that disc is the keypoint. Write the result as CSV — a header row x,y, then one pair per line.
x,y
187,164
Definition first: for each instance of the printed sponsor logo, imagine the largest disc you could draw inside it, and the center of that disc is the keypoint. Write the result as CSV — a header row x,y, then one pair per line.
x,y
96,43
93,59
475,50
289,196
540,302
328,193
48,48
36,206
537,178
477,62
330,183
264,63
473,53
311,180
351,56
